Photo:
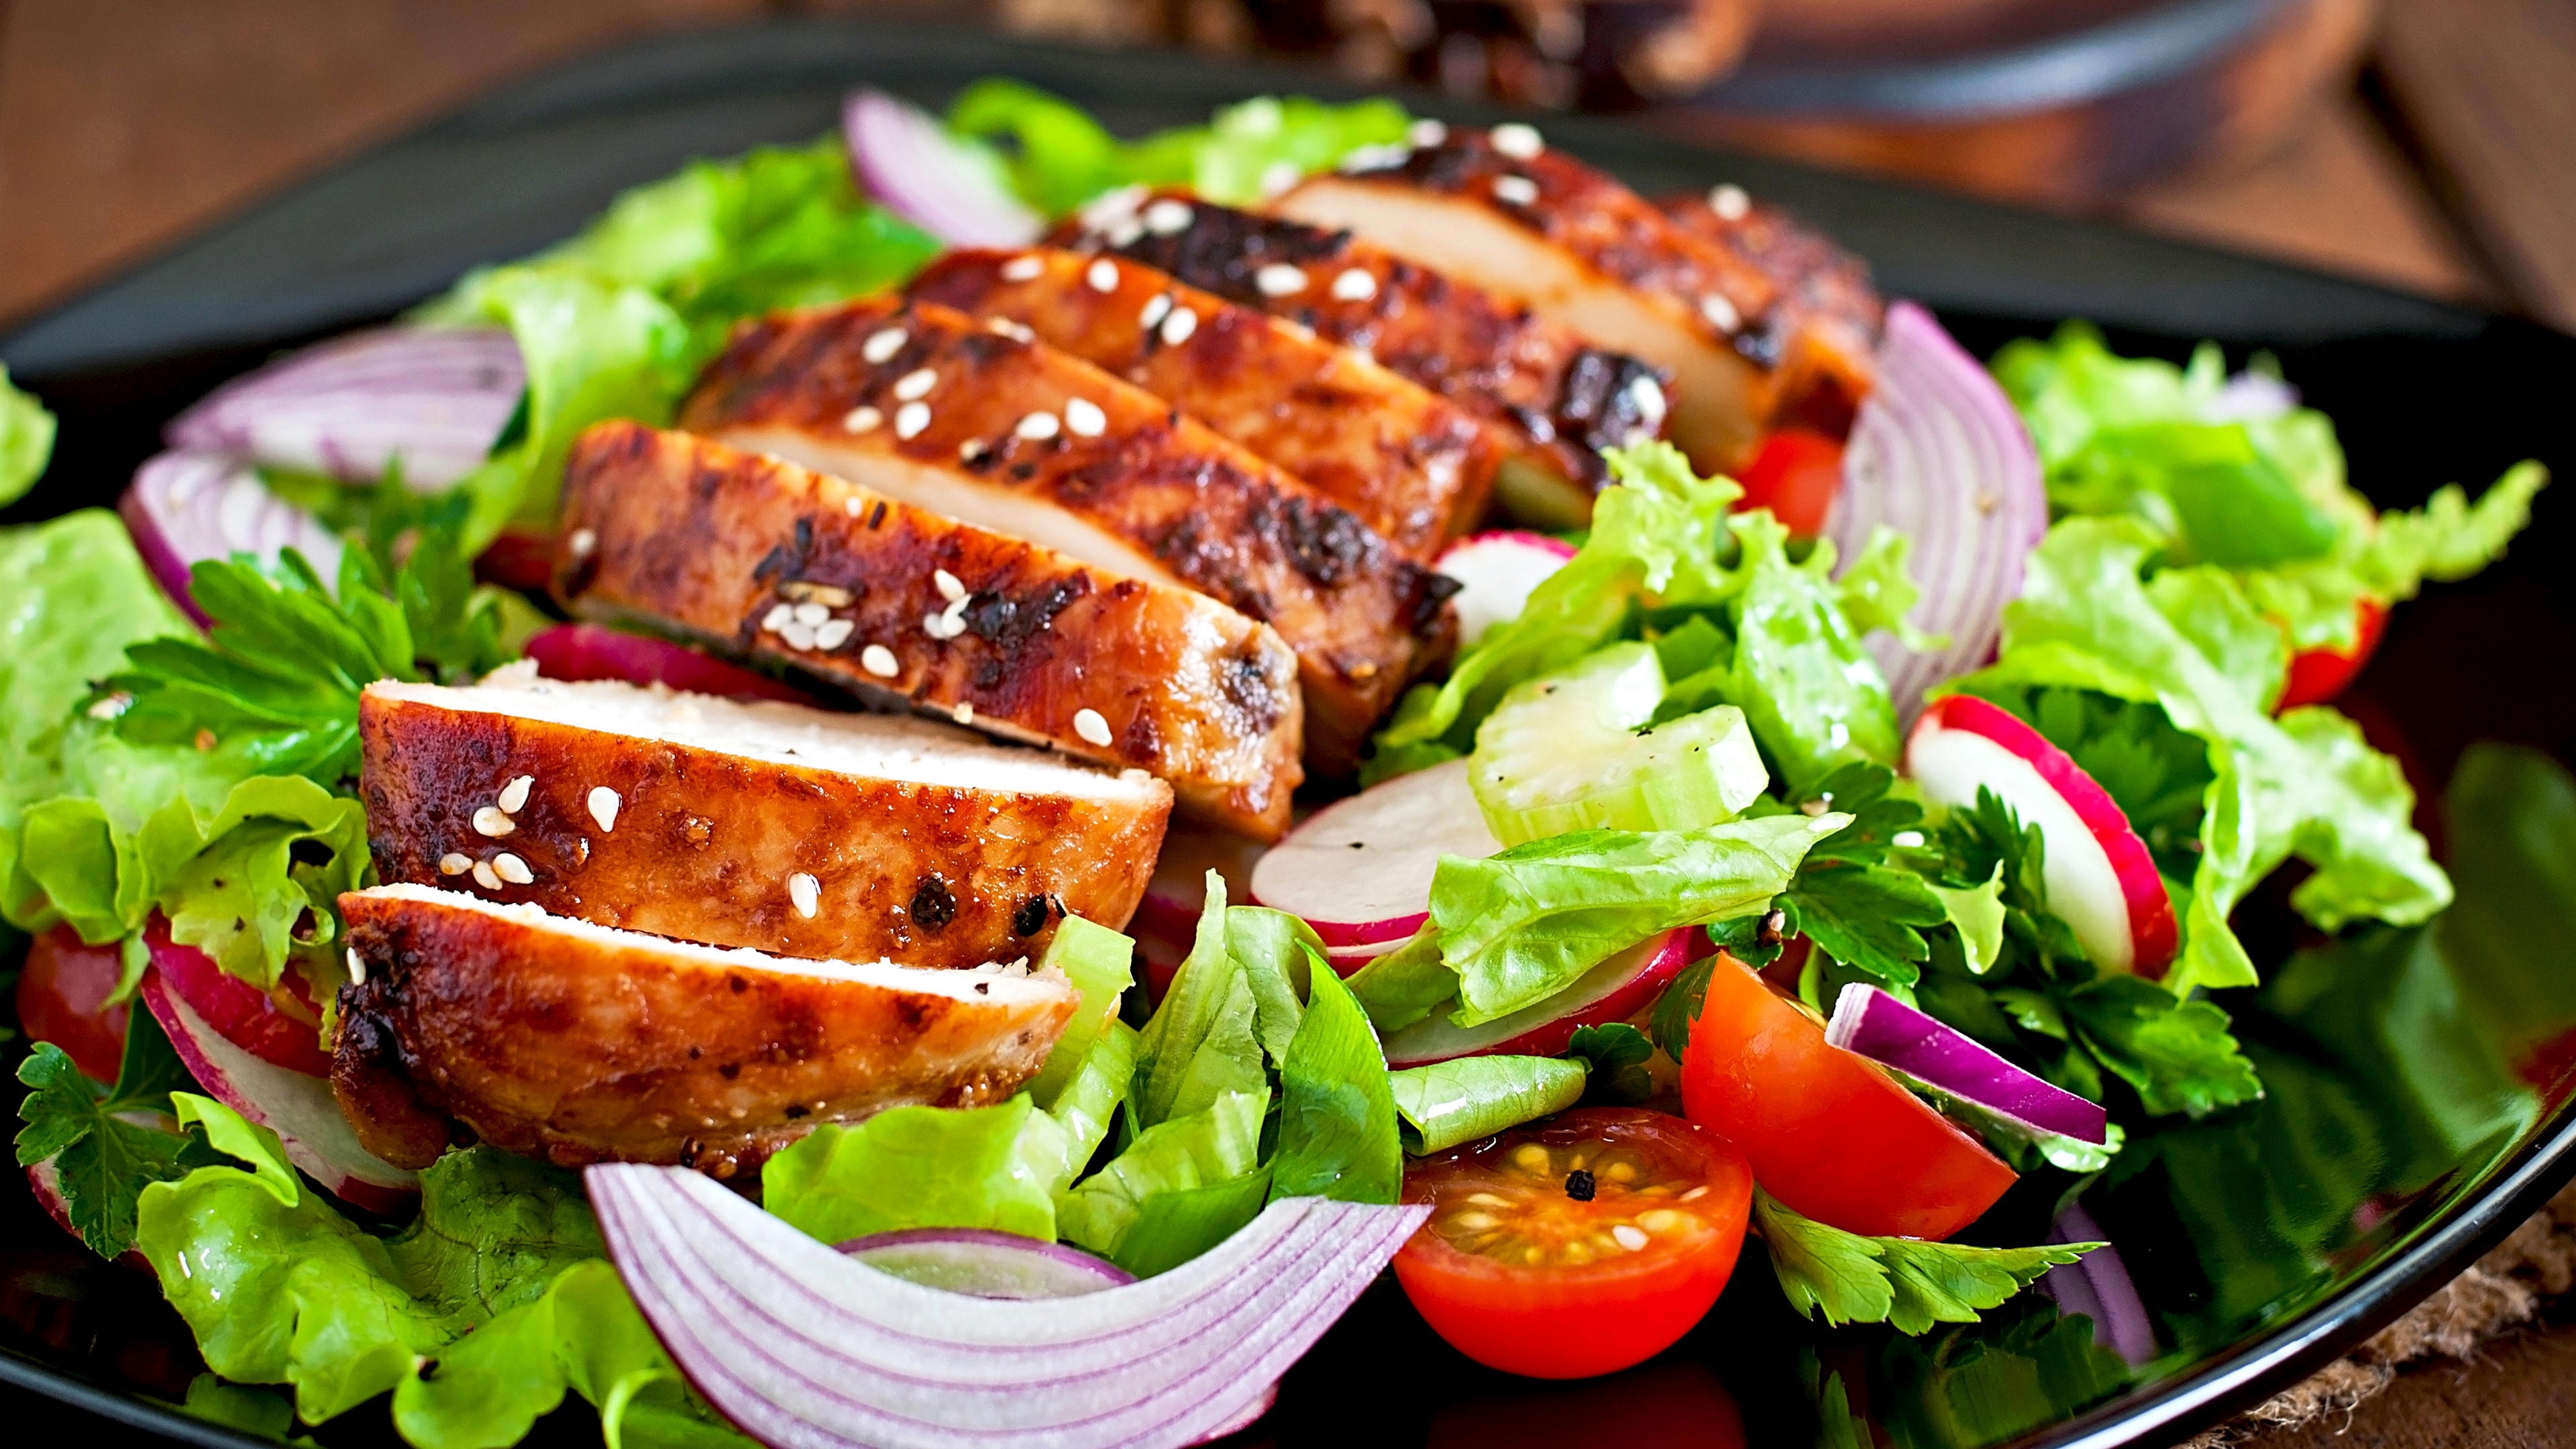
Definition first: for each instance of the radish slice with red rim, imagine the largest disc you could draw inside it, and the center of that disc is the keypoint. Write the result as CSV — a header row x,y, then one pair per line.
x,y
1496,572
233,1008
949,188
1615,990
2101,880
1169,913
1359,870
1876,1025
592,651
1939,454
186,508
437,398
986,1264
798,1345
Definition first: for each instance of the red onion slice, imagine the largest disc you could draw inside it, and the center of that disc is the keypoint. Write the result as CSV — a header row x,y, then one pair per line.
x,y
1871,1023
2098,1286
985,1263
435,397
907,160
799,1346
1939,455
184,508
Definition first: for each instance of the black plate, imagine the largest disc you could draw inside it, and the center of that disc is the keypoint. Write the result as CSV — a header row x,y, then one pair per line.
x,y
2419,1079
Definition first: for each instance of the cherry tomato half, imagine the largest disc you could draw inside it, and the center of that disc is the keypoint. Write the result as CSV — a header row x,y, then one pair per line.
x,y
1795,474
1577,1245
59,994
2318,675
1827,1132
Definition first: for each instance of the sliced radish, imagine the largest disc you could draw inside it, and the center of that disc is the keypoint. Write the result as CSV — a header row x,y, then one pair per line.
x,y
1360,870
1173,898
297,1106
1615,990
984,1263
1497,571
590,651
1348,959
1876,1025
47,1186
2101,880
241,1013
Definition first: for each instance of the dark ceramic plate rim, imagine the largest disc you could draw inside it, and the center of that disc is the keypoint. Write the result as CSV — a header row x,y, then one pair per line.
x,y
2480,1216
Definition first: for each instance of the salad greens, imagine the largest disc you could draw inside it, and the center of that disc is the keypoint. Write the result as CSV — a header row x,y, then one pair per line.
x,y
103,1158
26,440
1906,1283
1465,1098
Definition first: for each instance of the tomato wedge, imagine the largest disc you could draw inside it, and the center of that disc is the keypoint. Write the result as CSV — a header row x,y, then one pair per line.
x,y
1827,1132
2318,675
1795,474
60,991
1577,1245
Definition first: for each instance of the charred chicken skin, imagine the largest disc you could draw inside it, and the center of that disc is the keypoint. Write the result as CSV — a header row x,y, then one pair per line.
x,y
1011,637
1556,399
1825,314
576,1043
983,424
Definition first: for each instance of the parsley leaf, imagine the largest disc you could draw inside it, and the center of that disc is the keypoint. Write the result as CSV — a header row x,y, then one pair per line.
x,y
1618,1055
1903,1282
1866,917
102,1161
1678,1007
2177,1055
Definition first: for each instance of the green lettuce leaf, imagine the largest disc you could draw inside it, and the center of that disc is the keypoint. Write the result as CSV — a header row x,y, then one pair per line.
x,y
26,440
1466,1098
1204,1041
917,1167
1337,1135
1406,984
1216,1148
1521,926
1101,964
1905,1283
1616,1054
1814,697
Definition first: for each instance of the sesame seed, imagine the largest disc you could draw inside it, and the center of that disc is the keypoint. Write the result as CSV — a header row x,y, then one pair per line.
x,y
1520,142
1126,232
806,894
798,635
1360,160
948,584
812,615
964,713
915,384
1005,327
484,877
854,505
1167,216
834,633
1093,728
1279,280
1648,397
1729,201
1354,285
514,796
878,660
778,617
1721,313
1155,311
1023,268
910,419
357,968
1178,327
935,625
455,863
861,420
583,543
1084,418
491,822
882,345
512,869
1427,133
1103,275
603,807
1630,1237
1106,208
1278,176
1038,427
1515,190
972,449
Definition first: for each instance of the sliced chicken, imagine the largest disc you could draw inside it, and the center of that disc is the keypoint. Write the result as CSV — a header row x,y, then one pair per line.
x,y
1557,399
926,405
1410,464
577,1043
1503,211
892,601
779,827
1825,314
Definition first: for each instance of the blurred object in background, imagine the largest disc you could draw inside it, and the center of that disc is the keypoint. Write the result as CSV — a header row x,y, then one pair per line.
x,y
1591,54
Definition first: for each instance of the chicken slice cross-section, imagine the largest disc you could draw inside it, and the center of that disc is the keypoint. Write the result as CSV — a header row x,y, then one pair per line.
x,y
1558,399
1826,314
1411,464
895,602
555,1038
780,827
1537,226
992,428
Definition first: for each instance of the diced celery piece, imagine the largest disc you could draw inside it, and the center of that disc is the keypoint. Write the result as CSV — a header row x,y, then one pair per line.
x,y
1572,751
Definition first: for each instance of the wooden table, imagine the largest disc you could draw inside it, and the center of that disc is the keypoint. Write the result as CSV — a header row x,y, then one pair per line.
x,y
127,123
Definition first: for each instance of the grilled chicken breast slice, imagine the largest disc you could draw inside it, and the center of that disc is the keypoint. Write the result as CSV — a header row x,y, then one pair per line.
x,y
929,406
577,1043
1825,314
792,830
1008,636
1557,399
1412,465
1580,249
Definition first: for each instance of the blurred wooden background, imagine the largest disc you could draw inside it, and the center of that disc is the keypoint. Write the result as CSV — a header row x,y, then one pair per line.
x,y
2447,165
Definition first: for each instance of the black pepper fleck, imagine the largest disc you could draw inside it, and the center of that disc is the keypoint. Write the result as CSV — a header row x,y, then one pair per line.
x,y
1579,1185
